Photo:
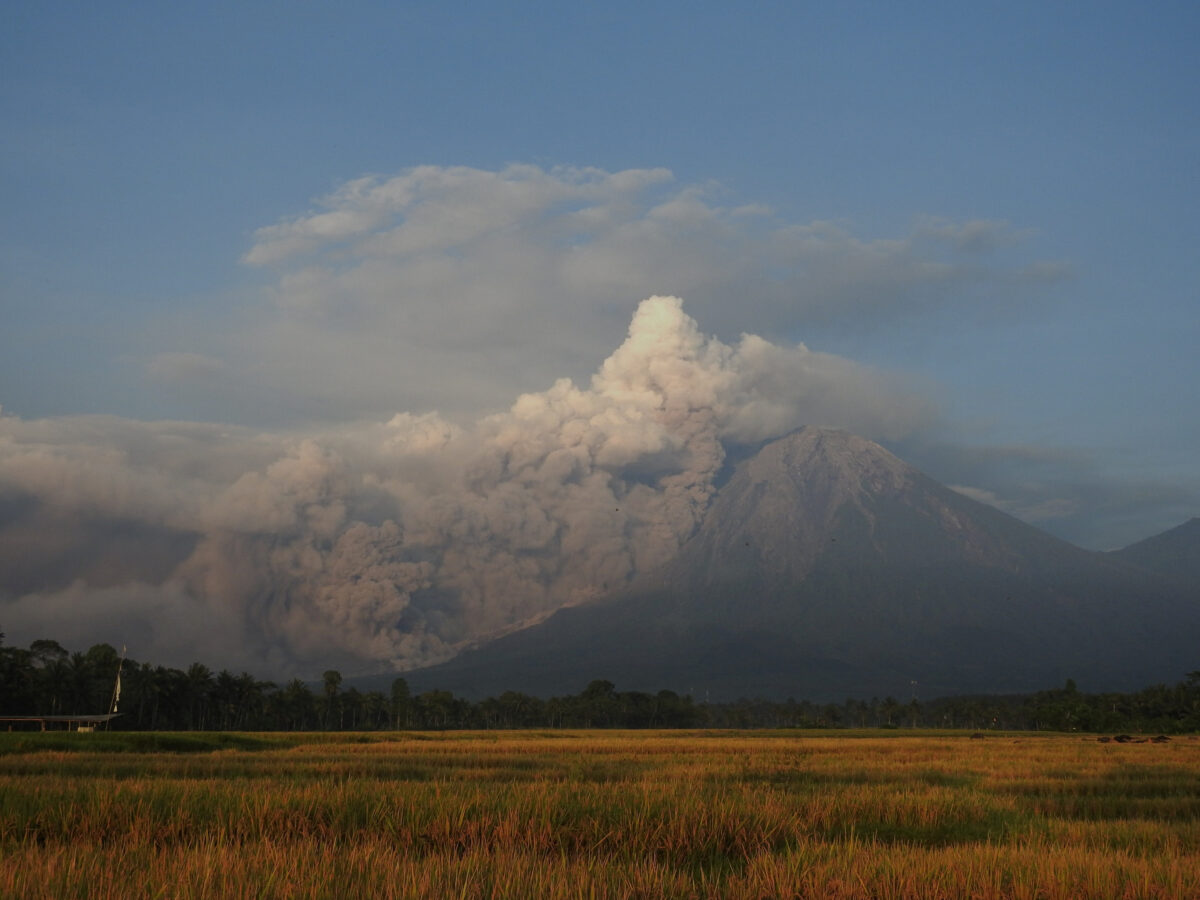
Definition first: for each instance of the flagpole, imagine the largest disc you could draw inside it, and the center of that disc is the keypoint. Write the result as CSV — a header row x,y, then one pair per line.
x,y
116,694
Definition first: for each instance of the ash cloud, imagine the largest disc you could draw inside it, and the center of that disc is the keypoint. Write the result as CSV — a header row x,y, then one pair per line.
x,y
391,544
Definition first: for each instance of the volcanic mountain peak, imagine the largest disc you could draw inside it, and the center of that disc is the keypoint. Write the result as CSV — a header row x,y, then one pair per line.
x,y
825,567
819,494
826,469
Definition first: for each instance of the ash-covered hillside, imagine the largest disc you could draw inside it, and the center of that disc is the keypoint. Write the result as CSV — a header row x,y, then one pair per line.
x,y
825,567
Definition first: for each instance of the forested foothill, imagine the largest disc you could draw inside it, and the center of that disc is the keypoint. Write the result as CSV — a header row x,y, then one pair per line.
x,y
46,679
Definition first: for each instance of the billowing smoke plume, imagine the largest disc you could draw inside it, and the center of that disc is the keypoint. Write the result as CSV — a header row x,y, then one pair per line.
x,y
391,545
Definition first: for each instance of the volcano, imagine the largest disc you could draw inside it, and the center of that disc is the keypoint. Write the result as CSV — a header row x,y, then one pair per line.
x,y
827,568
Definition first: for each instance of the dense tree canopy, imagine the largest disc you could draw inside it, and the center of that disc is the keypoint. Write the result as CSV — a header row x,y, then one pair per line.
x,y
48,679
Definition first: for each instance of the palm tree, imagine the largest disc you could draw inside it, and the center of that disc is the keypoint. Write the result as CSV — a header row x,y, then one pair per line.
x,y
199,688
297,705
78,684
17,680
401,703
142,689
226,700
333,680
253,706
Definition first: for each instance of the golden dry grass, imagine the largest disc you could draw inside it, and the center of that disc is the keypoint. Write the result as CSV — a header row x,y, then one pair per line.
x,y
601,814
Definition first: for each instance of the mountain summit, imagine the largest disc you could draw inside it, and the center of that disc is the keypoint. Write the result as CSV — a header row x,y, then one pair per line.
x,y
826,567
820,498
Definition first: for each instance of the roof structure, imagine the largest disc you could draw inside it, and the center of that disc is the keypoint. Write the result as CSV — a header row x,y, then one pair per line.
x,y
73,723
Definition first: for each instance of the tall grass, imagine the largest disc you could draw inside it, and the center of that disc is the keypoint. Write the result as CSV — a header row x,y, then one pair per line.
x,y
604,814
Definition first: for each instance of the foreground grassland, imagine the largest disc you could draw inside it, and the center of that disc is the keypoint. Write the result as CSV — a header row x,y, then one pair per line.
x,y
597,814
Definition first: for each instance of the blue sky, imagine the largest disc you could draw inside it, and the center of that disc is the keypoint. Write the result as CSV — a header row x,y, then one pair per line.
x,y
991,203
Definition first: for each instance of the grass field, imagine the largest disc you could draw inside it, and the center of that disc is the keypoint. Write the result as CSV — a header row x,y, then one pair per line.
x,y
597,814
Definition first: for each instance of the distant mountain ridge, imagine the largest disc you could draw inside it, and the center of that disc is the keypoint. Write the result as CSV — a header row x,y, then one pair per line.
x,y
1174,554
826,567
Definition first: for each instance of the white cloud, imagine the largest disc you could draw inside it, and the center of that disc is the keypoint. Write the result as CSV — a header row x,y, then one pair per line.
x,y
454,288
1037,508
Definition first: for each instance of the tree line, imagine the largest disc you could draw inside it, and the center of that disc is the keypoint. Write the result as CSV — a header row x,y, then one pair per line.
x,y
47,679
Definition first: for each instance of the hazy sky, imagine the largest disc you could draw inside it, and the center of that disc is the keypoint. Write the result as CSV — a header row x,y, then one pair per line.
x,y
294,221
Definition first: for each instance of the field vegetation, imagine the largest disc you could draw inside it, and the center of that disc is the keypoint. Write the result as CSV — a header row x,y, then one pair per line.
x,y
566,814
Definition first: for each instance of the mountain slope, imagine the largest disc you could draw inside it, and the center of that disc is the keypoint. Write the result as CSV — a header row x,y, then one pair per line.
x,y
1174,554
828,568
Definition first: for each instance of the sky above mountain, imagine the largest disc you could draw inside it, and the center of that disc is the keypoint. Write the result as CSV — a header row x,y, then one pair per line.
x,y
285,222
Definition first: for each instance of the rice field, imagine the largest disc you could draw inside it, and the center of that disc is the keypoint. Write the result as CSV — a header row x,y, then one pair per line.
x,y
597,814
